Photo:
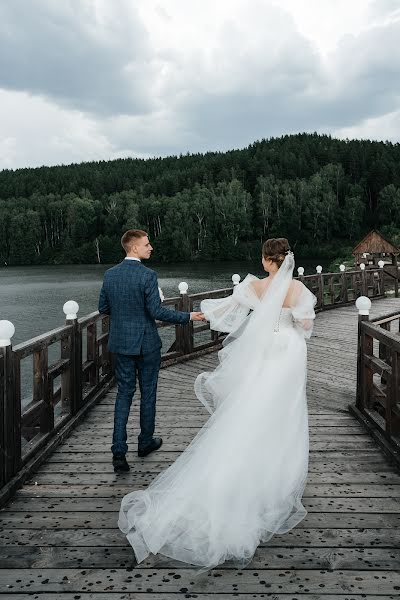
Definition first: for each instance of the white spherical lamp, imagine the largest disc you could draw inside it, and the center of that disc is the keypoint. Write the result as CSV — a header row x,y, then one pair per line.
x,y
363,305
71,309
342,268
319,269
362,266
183,287
300,271
236,279
381,264
7,330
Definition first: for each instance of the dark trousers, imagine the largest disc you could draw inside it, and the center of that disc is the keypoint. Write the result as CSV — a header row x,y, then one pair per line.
x,y
147,367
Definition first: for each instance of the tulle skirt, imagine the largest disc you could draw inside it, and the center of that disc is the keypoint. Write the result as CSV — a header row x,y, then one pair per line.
x,y
242,478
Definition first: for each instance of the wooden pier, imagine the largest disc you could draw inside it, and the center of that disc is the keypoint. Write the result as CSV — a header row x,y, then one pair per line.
x,y
59,536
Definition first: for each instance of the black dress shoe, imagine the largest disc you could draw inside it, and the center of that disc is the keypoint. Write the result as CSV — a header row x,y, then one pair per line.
x,y
156,443
119,463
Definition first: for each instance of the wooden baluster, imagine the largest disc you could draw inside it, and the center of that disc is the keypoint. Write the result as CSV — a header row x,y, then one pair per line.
x,y
331,288
47,414
364,347
38,383
39,376
91,341
375,283
367,374
396,281
67,374
383,353
357,285
106,360
392,398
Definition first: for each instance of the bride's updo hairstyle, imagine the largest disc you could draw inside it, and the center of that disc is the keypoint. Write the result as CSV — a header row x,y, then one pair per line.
x,y
275,250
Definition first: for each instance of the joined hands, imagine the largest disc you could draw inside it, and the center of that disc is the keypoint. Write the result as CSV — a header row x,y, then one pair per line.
x,y
197,316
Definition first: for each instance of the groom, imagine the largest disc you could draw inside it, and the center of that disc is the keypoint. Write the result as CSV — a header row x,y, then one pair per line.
x,y
131,297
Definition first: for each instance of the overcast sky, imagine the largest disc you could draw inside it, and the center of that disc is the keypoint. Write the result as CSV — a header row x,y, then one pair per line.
x,y
98,79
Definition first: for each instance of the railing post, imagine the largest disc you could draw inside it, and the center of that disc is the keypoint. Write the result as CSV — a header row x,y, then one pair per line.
x,y
381,264
343,294
320,286
396,281
185,336
300,273
363,305
72,386
364,283
10,412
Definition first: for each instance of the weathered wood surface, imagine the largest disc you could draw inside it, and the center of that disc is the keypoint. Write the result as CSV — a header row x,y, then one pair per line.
x,y
58,536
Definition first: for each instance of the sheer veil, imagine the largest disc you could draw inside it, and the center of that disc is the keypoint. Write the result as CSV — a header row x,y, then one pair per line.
x,y
252,333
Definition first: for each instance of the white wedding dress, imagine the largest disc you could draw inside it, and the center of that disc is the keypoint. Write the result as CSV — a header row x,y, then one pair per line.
x,y
242,478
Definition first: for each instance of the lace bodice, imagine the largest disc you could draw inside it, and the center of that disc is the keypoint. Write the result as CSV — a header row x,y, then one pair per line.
x,y
285,319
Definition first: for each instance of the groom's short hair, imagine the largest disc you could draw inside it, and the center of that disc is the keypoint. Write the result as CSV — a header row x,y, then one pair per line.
x,y
132,235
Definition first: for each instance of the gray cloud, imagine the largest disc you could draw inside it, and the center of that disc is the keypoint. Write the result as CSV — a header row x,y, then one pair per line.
x,y
68,52
253,75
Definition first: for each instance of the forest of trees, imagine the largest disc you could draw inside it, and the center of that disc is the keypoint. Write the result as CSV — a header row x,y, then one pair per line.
x,y
321,193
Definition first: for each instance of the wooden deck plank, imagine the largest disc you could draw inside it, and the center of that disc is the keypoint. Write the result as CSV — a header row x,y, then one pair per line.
x,y
189,581
387,502
379,537
94,557
174,596
59,537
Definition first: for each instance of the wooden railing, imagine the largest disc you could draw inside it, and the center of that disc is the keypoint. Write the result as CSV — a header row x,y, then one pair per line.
x,y
71,367
378,378
339,289
62,389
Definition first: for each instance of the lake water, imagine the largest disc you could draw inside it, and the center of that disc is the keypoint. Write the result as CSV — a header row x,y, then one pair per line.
x,y
32,297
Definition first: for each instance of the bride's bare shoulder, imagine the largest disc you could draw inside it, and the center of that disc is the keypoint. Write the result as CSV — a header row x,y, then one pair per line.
x,y
259,285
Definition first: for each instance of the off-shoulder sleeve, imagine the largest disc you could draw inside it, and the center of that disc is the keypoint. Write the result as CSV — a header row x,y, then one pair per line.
x,y
302,303
226,314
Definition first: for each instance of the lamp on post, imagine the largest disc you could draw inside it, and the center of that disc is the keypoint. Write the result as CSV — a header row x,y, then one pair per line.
x,y
364,286
10,409
364,345
344,293
236,279
184,333
320,286
71,388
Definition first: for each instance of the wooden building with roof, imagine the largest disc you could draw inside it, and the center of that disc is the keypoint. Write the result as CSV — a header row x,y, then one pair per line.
x,y
373,248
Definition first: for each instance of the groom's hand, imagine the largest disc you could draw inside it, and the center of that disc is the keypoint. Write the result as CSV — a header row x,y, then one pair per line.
x,y
197,316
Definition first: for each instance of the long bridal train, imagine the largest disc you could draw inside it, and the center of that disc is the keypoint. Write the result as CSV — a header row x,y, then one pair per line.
x,y
242,478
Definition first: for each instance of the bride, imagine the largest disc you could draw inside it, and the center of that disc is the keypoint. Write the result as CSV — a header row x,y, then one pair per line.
x,y
242,478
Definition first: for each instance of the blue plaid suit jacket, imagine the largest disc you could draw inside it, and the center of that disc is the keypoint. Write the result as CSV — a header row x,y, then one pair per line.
x,y
130,296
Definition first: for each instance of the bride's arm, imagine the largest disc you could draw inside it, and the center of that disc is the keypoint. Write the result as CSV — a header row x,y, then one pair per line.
x,y
226,314
302,302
